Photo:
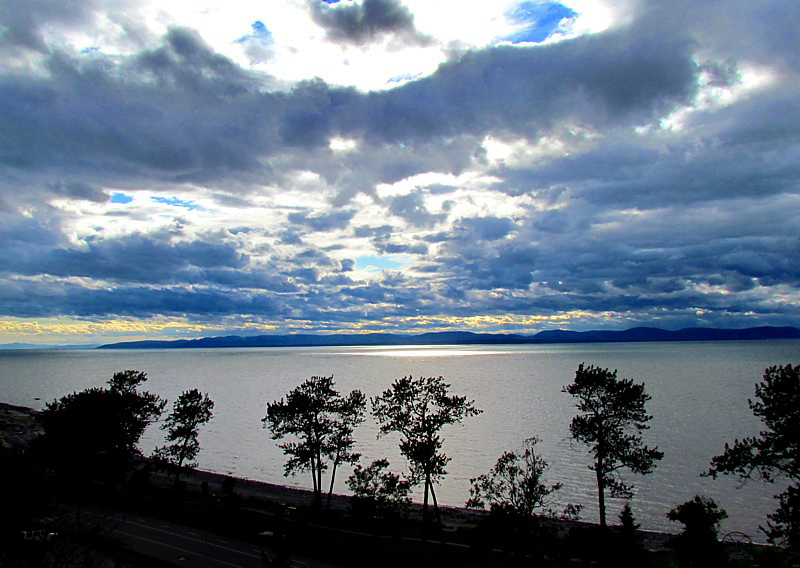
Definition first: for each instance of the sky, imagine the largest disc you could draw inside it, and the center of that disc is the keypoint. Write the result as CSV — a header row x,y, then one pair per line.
x,y
177,169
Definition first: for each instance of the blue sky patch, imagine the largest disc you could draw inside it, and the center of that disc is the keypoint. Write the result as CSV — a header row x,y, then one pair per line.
x,y
370,262
175,202
120,198
259,32
542,19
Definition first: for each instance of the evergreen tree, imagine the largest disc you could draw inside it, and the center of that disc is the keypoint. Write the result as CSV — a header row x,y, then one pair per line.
x,y
611,418
775,453
97,431
189,412
320,423
697,545
418,409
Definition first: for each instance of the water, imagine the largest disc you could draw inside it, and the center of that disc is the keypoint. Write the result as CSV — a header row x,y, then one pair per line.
x,y
699,401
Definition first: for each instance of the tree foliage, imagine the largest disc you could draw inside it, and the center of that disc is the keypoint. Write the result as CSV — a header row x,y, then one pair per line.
x,y
98,429
348,415
191,410
379,492
515,485
629,528
775,452
320,423
418,409
611,419
697,545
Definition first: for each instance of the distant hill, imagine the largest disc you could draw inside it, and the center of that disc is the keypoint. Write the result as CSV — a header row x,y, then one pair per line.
x,y
43,346
468,338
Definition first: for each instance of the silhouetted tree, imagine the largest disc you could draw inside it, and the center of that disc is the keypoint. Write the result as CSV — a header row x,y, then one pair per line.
x,y
631,551
189,412
418,409
775,452
697,545
515,485
377,492
515,493
348,414
98,429
629,528
322,422
610,421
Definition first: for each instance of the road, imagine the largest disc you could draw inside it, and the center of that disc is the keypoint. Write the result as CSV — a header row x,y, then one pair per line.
x,y
185,546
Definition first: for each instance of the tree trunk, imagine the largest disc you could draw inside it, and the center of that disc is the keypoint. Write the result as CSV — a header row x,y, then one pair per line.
x,y
318,484
599,466
425,500
330,489
314,480
601,495
435,505
178,472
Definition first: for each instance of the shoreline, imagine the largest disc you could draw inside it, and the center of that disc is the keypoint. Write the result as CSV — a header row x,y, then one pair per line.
x,y
18,427
452,517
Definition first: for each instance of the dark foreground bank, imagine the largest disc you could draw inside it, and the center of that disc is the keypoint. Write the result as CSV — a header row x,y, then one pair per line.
x,y
84,522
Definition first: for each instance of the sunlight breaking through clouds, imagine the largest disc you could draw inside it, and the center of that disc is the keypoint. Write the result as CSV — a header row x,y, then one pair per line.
x,y
235,167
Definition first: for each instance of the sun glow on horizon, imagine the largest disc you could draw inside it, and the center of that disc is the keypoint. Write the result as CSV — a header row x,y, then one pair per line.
x,y
420,351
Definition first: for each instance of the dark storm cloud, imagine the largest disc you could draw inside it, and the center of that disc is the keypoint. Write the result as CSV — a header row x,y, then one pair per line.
x,y
381,232
43,299
180,112
80,190
748,150
23,19
411,207
386,247
359,23
667,260
486,228
381,238
17,232
326,222
135,258
740,29
624,76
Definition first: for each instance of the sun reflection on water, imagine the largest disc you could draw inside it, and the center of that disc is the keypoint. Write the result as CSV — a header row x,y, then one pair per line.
x,y
420,351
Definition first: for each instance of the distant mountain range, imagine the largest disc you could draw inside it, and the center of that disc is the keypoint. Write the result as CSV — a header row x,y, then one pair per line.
x,y
44,346
468,338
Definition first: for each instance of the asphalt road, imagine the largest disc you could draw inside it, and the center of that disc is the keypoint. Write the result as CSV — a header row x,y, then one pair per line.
x,y
185,546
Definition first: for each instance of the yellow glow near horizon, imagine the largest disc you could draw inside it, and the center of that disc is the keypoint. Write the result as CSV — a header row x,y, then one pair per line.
x,y
51,330
73,327
473,322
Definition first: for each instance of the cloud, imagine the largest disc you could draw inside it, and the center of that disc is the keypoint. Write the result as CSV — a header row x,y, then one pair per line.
x,y
645,173
23,20
359,23
411,207
487,228
80,190
135,258
132,301
326,222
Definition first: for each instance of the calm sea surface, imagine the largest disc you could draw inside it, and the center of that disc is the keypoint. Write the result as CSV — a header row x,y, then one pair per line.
x,y
699,391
